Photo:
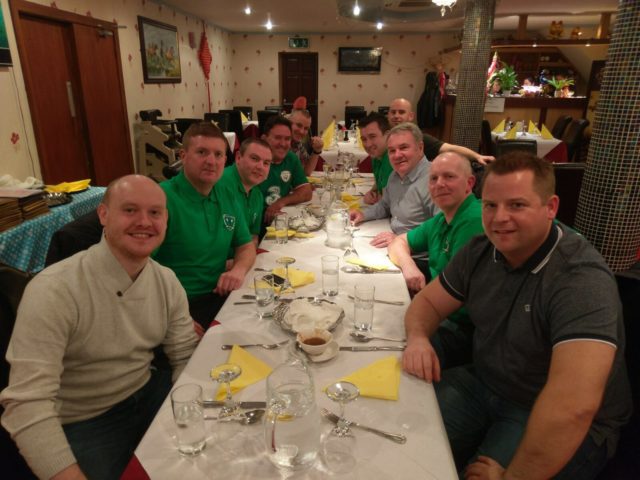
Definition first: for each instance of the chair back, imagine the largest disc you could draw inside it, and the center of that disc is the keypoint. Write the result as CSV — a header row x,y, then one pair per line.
x,y
219,118
560,126
248,111
275,108
504,146
235,123
263,116
573,137
183,123
568,185
353,116
383,110
486,146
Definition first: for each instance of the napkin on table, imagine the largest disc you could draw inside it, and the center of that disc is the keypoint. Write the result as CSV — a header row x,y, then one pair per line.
x,y
499,128
511,134
361,263
271,232
381,379
315,180
303,315
253,370
69,187
298,278
533,129
352,202
546,134
327,135
358,139
243,117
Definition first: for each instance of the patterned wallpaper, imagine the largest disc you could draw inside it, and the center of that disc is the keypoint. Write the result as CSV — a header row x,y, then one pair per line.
x,y
405,61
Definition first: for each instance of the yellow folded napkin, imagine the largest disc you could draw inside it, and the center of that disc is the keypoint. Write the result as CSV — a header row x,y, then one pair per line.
x,y
243,117
546,134
298,278
304,235
253,370
533,129
327,135
361,263
499,128
271,233
315,180
69,187
511,134
359,140
352,202
381,379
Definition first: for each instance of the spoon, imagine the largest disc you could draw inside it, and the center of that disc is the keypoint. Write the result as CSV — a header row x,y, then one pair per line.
x,y
361,337
246,418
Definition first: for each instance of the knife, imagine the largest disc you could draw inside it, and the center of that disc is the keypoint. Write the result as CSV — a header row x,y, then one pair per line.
x,y
217,403
387,302
277,299
372,349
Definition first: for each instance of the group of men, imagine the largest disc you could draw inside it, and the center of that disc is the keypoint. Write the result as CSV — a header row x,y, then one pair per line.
x,y
519,325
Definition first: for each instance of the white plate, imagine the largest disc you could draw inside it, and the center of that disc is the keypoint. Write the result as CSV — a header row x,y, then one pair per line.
x,y
281,319
328,354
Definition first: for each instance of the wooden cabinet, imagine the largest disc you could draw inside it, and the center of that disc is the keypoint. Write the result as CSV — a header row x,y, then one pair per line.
x,y
528,62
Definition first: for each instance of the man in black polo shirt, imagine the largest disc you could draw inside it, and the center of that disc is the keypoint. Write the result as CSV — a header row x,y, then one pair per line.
x,y
547,392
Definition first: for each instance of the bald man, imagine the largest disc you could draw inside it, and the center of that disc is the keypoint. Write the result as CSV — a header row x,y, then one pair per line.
x,y
400,111
81,378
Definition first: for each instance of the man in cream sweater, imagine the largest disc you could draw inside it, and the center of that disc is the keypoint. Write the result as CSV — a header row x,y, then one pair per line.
x,y
82,391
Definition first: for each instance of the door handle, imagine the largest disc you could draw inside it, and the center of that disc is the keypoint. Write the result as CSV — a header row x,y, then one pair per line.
x,y
72,103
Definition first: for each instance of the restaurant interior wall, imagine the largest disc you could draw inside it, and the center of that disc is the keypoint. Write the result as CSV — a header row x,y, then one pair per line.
x,y
18,153
406,60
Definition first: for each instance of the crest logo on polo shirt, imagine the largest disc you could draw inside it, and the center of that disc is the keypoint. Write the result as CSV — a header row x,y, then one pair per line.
x,y
229,221
285,175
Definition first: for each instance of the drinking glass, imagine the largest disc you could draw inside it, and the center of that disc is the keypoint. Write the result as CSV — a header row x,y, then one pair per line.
x,y
339,446
286,286
330,277
226,373
188,414
265,294
281,225
363,299
351,251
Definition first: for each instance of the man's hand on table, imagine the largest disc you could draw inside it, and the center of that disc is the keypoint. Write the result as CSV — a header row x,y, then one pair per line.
x,y
356,217
383,239
317,145
421,360
271,211
229,281
72,472
484,468
414,278
371,197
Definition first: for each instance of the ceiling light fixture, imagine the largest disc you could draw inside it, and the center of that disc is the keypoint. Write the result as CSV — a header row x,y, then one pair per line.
x,y
444,4
379,25
356,9
269,25
247,10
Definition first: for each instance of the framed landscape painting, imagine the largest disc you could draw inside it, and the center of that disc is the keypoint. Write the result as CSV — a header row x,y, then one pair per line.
x,y
160,51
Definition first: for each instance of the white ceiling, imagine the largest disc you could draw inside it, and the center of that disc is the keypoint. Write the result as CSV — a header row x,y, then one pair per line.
x,y
322,16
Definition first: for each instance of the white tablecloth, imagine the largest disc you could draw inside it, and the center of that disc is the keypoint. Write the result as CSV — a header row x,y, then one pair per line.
x,y
231,138
330,155
544,145
235,451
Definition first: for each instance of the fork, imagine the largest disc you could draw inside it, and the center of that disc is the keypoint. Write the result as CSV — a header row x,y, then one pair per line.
x,y
268,346
391,436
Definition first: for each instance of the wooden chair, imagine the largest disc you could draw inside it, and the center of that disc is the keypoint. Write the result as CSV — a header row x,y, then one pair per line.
x,y
486,140
573,137
219,118
560,126
263,116
504,146
248,111
568,185
235,123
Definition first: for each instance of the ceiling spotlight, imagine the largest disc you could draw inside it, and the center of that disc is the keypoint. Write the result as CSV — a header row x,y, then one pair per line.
x,y
247,10
269,25
356,9
379,25
444,4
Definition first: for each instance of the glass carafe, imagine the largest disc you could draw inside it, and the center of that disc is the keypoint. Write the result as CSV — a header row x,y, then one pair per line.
x,y
292,425
336,224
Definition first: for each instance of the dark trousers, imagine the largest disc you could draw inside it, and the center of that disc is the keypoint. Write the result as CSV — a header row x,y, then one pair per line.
x,y
204,308
103,445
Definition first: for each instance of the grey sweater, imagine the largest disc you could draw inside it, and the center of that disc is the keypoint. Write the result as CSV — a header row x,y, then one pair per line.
x,y
82,343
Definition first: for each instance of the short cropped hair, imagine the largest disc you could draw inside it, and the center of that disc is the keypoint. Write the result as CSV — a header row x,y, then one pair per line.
x,y
275,120
302,111
412,128
202,129
375,117
250,141
544,180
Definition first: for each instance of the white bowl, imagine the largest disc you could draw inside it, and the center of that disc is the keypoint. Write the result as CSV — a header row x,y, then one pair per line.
x,y
315,337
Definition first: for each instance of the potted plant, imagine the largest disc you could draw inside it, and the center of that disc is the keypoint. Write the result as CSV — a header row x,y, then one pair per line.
x,y
506,77
561,86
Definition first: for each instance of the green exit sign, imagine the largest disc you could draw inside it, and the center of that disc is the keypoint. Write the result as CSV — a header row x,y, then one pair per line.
x,y
298,42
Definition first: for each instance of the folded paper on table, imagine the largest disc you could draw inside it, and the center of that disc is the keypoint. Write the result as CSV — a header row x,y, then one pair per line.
x,y
303,315
253,370
315,180
327,135
361,263
381,379
546,134
499,128
69,187
352,202
511,134
298,278
243,117
533,130
271,233
359,140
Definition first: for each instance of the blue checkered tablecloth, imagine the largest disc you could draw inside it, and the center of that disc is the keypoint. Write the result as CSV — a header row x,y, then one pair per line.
x,y
25,246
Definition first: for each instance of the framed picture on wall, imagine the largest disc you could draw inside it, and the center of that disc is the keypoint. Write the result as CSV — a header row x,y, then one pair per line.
x,y
160,51
5,54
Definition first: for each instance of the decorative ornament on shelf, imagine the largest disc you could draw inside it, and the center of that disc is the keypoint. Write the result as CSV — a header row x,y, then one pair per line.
x,y
444,4
556,29
562,86
504,80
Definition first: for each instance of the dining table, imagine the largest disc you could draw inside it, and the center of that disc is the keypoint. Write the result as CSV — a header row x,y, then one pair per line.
x,y
552,149
238,451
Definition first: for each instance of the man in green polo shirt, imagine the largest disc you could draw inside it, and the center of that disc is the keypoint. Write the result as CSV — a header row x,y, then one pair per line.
x,y
450,182
250,169
373,133
286,184
204,223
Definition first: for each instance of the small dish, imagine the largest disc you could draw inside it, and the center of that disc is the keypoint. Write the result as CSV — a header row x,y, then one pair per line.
x,y
328,354
314,341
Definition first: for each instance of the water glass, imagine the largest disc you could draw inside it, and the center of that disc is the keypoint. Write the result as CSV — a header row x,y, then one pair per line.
x,y
188,414
265,294
281,224
330,269
363,299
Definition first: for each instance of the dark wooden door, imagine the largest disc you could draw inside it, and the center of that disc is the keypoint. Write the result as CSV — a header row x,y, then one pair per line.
x,y
299,77
53,93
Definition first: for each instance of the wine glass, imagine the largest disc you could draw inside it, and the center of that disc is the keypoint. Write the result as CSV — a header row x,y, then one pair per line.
x,y
226,373
286,286
351,251
339,445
